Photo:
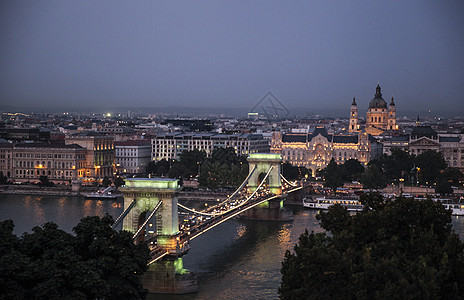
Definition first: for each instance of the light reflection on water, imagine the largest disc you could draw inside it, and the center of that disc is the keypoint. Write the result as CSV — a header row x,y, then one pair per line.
x,y
239,259
28,211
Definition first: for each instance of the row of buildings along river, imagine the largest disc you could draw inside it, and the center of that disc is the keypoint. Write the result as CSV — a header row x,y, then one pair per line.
x,y
90,148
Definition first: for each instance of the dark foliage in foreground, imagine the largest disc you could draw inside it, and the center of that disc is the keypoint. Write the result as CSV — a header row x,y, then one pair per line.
x,y
403,249
95,263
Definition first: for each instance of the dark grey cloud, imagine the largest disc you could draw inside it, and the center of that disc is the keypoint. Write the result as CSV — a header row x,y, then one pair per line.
x,y
312,54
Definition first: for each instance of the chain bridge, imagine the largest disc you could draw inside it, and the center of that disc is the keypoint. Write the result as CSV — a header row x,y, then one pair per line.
x,y
151,213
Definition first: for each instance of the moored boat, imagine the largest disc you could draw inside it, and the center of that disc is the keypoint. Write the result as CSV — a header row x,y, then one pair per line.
x,y
457,208
350,203
108,193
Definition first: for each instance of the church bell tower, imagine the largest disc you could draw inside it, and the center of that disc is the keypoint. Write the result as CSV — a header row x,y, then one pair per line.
x,y
392,116
353,127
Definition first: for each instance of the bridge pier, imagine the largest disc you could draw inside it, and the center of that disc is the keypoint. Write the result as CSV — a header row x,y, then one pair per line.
x,y
169,277
166,275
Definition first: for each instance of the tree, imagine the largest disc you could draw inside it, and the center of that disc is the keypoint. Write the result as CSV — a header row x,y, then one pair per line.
x,y
223,169
49,263
190,160
177,170
225,156
291,172
118,181
351,170
332,176
430,164
45,181
443,186
392,249
398,164
373,178
106,181
150,168
3,178
159,168
452,175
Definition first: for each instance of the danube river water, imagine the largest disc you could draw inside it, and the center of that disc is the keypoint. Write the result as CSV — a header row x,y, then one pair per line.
x,y
239,259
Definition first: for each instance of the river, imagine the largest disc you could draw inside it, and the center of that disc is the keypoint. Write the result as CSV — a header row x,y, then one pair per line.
x,y
238,259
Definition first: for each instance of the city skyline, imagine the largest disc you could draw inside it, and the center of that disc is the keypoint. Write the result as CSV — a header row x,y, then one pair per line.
x,y
312,55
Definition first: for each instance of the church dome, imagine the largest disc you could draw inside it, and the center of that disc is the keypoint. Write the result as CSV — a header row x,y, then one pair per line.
x,y
378,101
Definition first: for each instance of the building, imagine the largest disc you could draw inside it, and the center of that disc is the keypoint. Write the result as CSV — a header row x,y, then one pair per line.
x,y
132,156
170,145
6,159
190,125
424,138
354,122
315,150
99,156
400,142
379,117
24,134
25,162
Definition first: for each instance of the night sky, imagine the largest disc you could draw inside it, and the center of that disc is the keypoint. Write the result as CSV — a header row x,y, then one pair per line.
x,y
228,54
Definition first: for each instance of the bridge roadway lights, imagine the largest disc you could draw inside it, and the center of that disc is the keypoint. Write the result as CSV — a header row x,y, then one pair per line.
x,y
166,275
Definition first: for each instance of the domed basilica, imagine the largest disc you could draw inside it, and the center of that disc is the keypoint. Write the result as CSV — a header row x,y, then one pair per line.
x,y
379,117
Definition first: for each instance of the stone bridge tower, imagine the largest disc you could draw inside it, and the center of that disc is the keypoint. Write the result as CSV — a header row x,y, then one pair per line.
x,y
166,275
270,210
263,161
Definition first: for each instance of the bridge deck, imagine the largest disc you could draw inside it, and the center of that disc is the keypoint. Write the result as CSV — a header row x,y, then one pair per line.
x,y
186,235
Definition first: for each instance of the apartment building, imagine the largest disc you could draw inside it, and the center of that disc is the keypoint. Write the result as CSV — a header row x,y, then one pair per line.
x,y
170,145
132,156
100,154
25,162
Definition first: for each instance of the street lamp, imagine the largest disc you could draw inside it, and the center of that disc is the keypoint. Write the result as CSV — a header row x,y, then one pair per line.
x,y
417,175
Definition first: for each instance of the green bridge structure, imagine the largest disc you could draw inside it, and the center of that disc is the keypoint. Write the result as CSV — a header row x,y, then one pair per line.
x,y
151,213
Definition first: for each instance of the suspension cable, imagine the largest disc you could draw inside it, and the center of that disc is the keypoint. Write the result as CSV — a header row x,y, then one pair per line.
x,y
146,220
123,215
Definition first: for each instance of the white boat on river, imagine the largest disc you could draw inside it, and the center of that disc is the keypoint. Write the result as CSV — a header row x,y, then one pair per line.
x,y
457,208
353,204
350,203
108,193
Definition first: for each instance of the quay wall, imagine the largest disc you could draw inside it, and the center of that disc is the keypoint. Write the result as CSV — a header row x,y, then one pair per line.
x,y
65,190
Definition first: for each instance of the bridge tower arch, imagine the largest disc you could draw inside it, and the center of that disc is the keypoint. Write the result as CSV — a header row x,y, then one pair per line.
x,y
148,192
262,162
166,275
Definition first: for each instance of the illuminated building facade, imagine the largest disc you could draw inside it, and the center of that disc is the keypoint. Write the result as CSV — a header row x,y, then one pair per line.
x,y
132,156
100,154
424,138
28,161
315,150
379,116
169,146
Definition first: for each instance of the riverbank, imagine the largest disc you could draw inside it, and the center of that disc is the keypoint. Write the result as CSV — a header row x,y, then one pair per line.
x,y
66,190
59,190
